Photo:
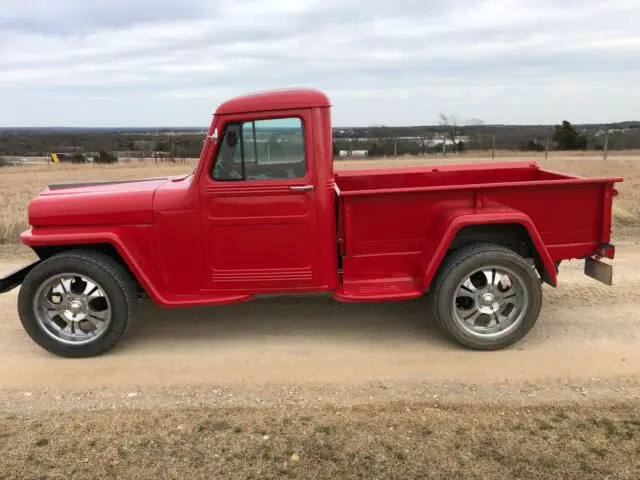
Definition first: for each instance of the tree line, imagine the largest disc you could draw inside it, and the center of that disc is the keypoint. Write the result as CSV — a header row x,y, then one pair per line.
x,y
387,141
376,141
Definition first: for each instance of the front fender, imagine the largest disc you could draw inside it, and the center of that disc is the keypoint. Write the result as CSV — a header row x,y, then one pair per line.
x,y
450,222
134,243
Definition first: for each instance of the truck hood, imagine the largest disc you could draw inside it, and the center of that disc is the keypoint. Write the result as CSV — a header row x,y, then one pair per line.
x,y
125,202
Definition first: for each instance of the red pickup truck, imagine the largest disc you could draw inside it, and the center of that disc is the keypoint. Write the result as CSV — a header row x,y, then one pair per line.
x,y
265,213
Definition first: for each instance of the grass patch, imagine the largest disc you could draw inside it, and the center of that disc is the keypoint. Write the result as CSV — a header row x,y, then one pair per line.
x,y
544,426
560,416
215,426
326,429
465,442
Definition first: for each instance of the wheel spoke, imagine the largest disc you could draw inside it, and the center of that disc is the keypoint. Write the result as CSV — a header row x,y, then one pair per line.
x,y
90,288
495,317
465,293
65,289
469,286
471,318
512,294
72,327
97,317
489,274
49,305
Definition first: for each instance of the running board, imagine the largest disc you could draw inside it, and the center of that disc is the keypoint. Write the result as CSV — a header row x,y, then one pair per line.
x,y
377,291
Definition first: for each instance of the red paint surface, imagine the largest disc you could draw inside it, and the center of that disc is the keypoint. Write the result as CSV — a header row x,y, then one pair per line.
x,y
191,240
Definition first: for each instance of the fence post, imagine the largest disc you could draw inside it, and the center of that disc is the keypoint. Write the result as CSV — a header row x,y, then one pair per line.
x,y
493,152
395,147
546,149
606,143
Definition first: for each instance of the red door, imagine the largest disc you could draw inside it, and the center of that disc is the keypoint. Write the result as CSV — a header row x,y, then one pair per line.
x,y
259,206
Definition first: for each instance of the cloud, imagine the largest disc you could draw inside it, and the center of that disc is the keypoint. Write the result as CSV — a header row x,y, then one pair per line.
x,y
170,62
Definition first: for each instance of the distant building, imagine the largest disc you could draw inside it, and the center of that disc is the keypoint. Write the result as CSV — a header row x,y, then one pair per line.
x,y
353,154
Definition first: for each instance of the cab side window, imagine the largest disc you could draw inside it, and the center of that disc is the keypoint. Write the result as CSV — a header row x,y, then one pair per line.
x,y
228,164
271,149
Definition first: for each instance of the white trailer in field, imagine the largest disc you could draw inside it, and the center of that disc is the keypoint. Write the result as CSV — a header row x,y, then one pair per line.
x,y
354,154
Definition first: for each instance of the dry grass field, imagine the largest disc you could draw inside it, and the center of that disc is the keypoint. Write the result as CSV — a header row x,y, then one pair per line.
x,y
18,185
186,398
394,441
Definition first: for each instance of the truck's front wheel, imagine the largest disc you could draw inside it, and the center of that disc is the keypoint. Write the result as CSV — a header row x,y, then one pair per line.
x,y
486,297
77,304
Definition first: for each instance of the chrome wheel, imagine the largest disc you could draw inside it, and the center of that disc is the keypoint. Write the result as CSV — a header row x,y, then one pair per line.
x,y
72,309
490,302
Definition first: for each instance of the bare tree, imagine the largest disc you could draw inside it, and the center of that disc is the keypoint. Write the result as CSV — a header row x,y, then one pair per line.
x,y
450,122
384,143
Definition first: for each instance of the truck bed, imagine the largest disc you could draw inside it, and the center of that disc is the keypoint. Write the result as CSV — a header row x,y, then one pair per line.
x,y
396,180
392,222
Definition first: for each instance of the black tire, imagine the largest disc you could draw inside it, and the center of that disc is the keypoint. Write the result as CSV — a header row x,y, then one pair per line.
x,y
116,282
462,263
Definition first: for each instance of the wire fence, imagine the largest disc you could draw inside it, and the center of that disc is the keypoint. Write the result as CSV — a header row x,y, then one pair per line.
x,y
602,143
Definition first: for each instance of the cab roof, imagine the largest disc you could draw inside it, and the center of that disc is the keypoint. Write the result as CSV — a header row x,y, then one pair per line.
x,y
289,99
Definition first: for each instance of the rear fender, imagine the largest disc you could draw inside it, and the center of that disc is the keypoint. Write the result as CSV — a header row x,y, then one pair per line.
x,y
442,234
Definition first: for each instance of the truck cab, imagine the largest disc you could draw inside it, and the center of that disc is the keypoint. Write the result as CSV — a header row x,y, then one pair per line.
x,y
264,213
267,195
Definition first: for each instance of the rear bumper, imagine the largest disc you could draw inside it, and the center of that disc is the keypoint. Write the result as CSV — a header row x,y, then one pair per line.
x,y
606,250
15,278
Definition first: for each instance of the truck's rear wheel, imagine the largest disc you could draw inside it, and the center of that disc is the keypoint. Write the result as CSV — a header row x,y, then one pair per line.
x,y
486,297
77,304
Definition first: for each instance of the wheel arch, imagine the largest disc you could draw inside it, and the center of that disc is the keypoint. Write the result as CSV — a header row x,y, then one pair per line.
x,y
105,248
136,258
513,230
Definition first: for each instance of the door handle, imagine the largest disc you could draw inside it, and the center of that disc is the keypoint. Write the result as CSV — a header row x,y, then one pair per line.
x,y
301,188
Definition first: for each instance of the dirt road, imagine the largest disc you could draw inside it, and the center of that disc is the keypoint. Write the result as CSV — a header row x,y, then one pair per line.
x,y
315,350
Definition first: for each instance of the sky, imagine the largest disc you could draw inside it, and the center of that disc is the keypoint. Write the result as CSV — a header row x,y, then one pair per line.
x,y
133,63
